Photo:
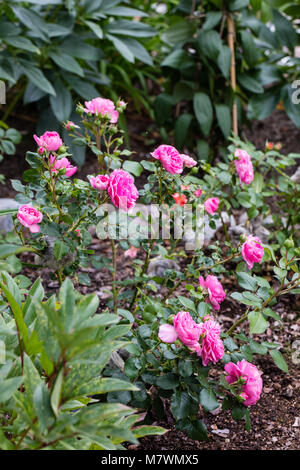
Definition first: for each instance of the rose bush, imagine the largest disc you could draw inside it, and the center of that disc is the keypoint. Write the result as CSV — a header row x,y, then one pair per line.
x,y
184,358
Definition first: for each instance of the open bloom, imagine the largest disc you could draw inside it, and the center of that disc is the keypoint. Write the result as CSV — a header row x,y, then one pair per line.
x,y
170,158
102,107
99,182
131,252
30,217
60,164
180,199
252,386
122,190
188,161
187,329
167,333
212,349
244,166
211,205
214,289
252,251
50,141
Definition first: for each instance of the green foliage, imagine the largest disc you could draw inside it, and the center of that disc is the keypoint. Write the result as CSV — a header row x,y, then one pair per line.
x,y
55,352
196,61
53,52
9,138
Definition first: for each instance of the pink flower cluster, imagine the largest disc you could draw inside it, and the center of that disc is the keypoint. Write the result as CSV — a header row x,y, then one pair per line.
x,y
244,166
102,107
252,251
201,338
120,187
172,160
48,142
249,376
30,217
62,164
215,290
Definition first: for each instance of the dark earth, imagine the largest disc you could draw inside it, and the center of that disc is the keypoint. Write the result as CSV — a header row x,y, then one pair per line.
x,y
275,418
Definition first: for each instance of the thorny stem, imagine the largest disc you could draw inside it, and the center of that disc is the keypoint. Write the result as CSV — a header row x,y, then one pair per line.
x,y
144,270
203,268
114,258
283,289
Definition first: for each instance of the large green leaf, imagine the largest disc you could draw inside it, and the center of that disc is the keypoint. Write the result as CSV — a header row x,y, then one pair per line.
x,y
204,112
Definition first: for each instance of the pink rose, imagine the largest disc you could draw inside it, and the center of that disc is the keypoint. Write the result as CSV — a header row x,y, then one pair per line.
x,y
252,251
184,188
188,161
60,164
50,141
211,205
102,107
215,290
30,217
77,231
99,182
167,333
122,190
198,192
244,166
187,330
170,158
131,252
212,349
252,387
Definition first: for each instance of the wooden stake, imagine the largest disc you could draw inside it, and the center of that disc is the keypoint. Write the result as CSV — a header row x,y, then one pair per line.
x,y
231,40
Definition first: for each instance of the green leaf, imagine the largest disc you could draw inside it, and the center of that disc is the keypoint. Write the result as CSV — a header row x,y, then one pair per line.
x,y
134,168
121,47
168,381
258,324
61,104
66,62
182,126
187,303
246,281
38,78
22,43
224,119
100,385
284,30
42,406
250,83
204,112
8,387
182,405
60,249
279,360
56,392
224,61
208,400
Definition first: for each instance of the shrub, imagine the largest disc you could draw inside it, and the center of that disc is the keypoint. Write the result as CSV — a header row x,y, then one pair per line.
x,y
52,388
176,339
217,59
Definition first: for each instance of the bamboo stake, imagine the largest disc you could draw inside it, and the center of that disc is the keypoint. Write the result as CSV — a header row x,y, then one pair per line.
x,y
231,40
